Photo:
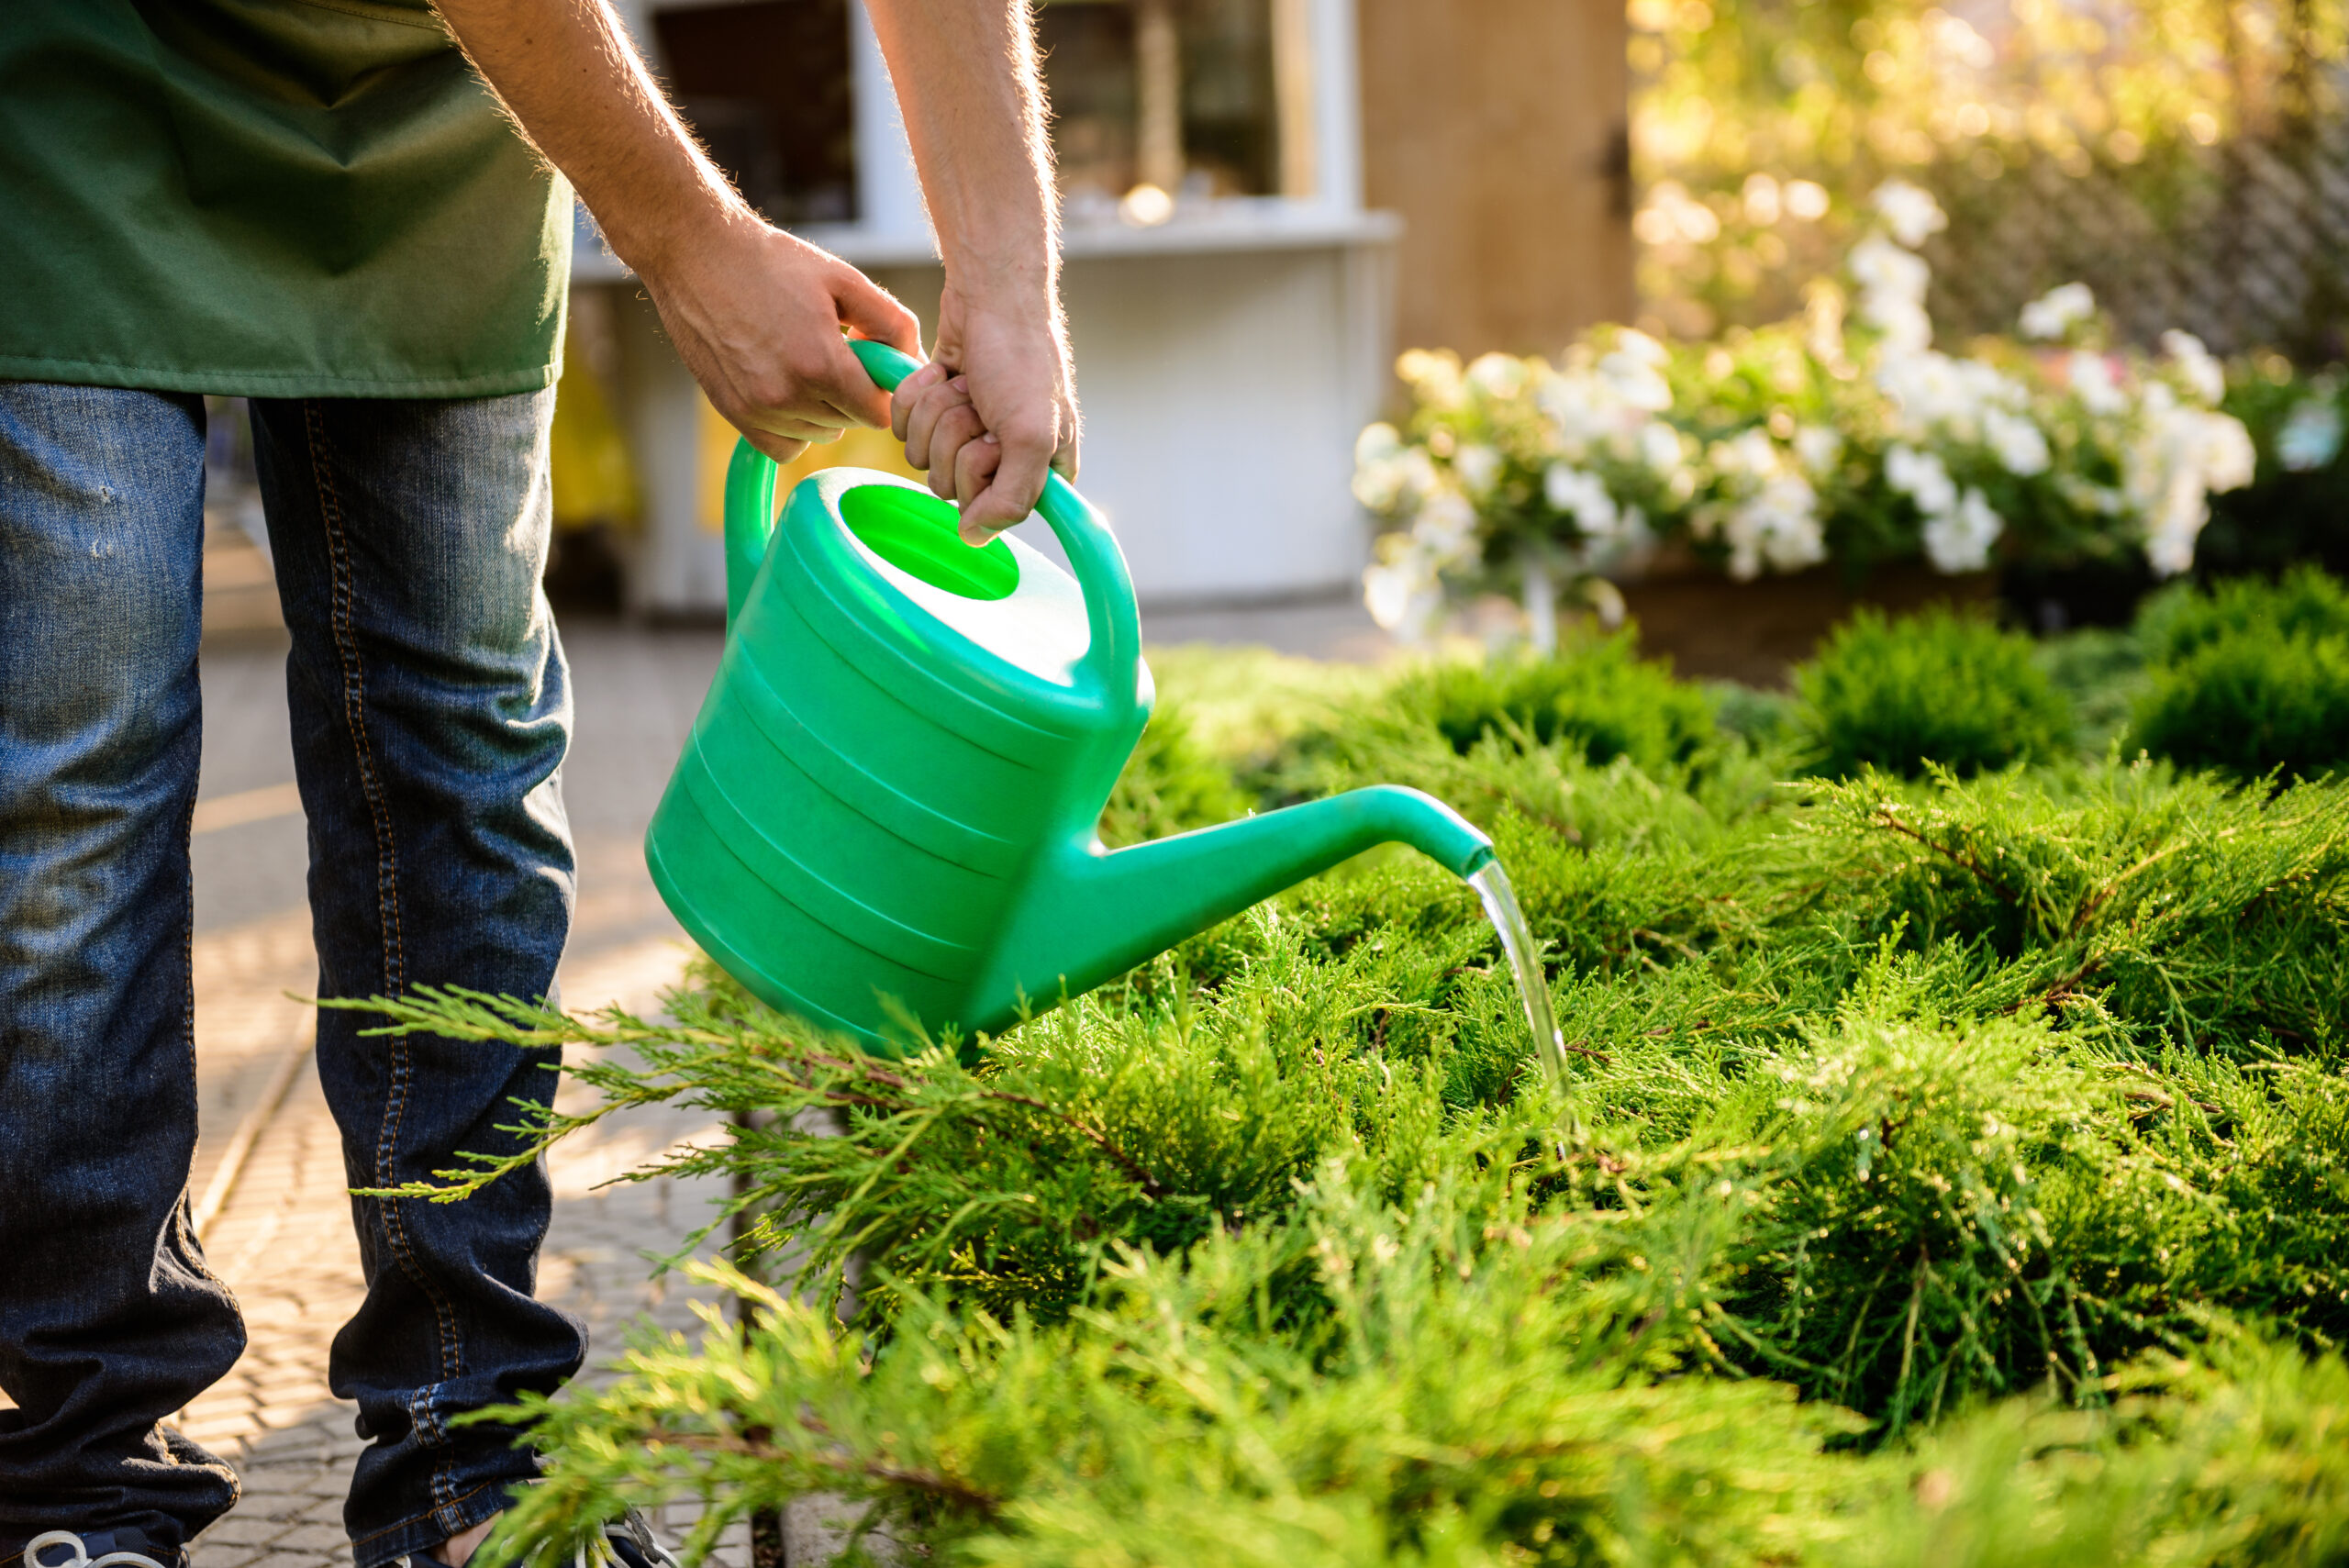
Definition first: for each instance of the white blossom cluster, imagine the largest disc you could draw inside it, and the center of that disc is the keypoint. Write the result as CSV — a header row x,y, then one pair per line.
x,y
1589,420
1587,466
2175,449
2181,453
1937,399
1769,513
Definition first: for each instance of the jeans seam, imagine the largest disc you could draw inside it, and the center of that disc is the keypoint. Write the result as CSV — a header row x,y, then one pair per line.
x,y
387,903
414,1520
183,1213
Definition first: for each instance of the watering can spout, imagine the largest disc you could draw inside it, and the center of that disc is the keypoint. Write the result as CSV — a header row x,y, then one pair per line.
x,y
1093,914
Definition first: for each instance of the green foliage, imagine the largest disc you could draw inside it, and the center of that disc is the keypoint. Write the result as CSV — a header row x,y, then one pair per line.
x,y
2100,673
1601,699
1160,1431
2249,707
2304,605
1947,1170
1931,688
2253,677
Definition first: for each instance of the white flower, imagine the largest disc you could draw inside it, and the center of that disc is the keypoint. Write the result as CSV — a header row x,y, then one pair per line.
x,y
1582,496
2228,460
1925,386
1892,292
1630,340
1394,596
1922,477
2178,457
1779,525
2205,377
1909,211
1750,455
1903,323
2311,437
2173,527
1960,539
1660,447
1433,376
1446,523
1773,517
1818,448
2019,444
1937,393
1578,406
1880,267
2094,383
1496,376
1390,476
1478,466
2056,312
1634,378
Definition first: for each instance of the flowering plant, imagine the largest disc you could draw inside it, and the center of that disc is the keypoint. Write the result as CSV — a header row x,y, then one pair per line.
x,y
1843,435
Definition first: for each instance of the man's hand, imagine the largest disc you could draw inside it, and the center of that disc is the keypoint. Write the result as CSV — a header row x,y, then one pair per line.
x,y
996,407
991,412
756,313
756,316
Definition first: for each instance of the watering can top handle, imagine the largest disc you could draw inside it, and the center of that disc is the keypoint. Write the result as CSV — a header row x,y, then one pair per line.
x,y
1093,552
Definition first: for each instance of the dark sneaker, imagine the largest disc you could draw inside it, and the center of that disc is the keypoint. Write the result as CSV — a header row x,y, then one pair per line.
x,y
99,1549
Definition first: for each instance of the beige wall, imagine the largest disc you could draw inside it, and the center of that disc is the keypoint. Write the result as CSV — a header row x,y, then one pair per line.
x,y
1496,129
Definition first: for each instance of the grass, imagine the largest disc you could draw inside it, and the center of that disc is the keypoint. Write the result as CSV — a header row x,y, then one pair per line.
x,y
1952,1169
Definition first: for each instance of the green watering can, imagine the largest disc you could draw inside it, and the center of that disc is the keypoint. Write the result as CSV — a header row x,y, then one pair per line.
x,y
886,810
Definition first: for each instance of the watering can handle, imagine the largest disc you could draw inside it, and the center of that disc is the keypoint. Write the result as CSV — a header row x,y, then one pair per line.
x,y
1116,628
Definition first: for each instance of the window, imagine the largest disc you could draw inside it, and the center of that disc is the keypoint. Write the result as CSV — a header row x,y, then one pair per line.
x,y
1176,94
765,84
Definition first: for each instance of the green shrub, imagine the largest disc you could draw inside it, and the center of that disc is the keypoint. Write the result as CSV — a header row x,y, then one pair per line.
x,y
1931,688
1947,1171
2101,673
2304,604
2252,676
1600,700
2249,704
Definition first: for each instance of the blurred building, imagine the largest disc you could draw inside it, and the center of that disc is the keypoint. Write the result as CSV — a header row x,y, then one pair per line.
x,y
1258,193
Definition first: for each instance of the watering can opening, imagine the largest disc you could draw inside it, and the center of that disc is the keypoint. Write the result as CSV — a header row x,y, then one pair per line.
x,y
1009,598
915,531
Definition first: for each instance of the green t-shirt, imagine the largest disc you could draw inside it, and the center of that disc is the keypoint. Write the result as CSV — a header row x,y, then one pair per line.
x,y
288,198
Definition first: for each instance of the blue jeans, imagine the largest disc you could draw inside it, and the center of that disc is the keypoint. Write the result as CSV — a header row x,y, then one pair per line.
x,y
430,712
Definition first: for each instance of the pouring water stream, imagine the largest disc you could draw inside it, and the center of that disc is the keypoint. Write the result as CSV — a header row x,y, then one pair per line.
x,y
1492,886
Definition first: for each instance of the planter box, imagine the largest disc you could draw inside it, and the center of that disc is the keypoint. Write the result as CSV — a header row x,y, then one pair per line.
x,y
1713,628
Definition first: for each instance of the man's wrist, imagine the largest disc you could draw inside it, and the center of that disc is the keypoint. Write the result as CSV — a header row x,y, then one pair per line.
x,y
1022,288
650,244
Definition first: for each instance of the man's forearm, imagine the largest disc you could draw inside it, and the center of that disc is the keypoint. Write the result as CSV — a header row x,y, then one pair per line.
x,y
574,83
966,81
757,314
